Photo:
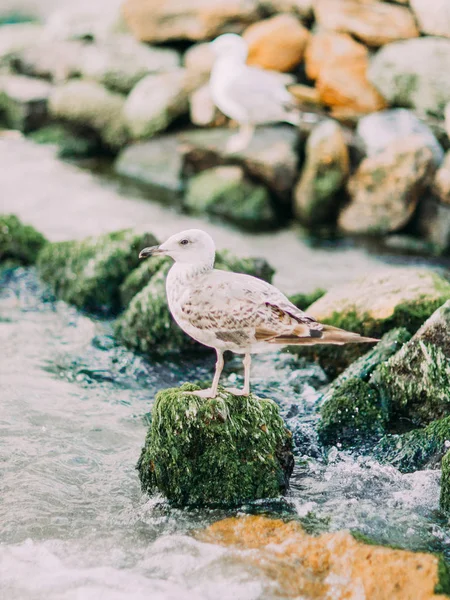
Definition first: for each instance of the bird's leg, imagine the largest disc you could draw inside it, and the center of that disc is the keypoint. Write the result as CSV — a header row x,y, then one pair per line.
x,y
246,389
241,140
212,391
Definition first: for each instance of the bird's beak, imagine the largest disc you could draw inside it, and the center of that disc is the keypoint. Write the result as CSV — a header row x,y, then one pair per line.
x,y
152,251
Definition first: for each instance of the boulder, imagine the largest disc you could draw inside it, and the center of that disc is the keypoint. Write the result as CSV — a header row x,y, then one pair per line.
x,y
374,23
433,16
433,224
271,157
155,102
339,65
414,384
386,188
92,21
441,183
23,102
88,273
18,242
409,74
277,43
203,111
165,20
14,38
226,192
379,130
55,60
444,499
89,104
220,452
323,175
156,164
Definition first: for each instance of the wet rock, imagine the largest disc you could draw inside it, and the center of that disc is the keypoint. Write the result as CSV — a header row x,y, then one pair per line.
x,y
70,142
441,183
156,164
226,192
18,242
23,102
155,102
329,565
277,43
339,65
147,325
323,175
380,129
271,156
203,111
433,224
444,500
372,306
220,452
88,103
433,16
414,384
386,188
195,20
88,273
409,74
374,23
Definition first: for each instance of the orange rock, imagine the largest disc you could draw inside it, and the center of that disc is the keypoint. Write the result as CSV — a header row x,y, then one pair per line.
x,y
373,22
332,565
328,46
277,43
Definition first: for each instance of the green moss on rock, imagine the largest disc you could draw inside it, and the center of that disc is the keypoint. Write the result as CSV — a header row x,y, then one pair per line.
x,y
18,242
215,452
303,301
88,273
444,500
71,144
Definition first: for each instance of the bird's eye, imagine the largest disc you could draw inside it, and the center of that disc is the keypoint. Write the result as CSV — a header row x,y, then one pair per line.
x,y
184,242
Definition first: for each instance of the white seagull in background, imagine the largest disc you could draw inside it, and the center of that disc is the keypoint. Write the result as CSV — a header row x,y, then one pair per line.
x,y
232,311
249,95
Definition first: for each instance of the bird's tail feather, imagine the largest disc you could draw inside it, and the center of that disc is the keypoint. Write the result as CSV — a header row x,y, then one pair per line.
x,y
330,335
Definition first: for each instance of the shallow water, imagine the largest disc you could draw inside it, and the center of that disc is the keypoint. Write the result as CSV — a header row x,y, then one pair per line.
x,y
73,521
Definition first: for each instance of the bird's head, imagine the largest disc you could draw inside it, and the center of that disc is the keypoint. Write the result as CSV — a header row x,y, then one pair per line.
x,y
192,246
230,44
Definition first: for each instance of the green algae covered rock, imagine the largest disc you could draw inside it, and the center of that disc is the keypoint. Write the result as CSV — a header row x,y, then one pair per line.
x,y
303,301
372,306
147,325
88,273
444,500
414,384
215,452
18,242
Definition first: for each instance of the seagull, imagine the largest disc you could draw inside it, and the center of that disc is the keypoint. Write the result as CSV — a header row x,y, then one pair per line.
x,y
249,95
233,311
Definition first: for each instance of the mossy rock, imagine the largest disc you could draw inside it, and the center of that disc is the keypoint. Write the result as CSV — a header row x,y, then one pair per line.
x,y
351,415
414,384
70,143
303,301
18,242
215,452
374,305
417,449
88,273
147,325
444,500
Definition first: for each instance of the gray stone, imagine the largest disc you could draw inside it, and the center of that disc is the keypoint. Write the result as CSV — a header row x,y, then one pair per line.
x,y
155,102
323,175
76,21
410,74
23,101
380,129
433,16
15,37
156,164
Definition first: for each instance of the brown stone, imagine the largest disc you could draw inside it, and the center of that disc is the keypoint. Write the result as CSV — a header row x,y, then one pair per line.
x,y
305,94
277,43
374,23
302,8
293,564
163,20
441,184
198,62
386,188
327,46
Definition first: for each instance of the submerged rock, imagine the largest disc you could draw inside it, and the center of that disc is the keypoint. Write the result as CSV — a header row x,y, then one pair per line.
x,y
444,500
215,452
88,273
414,384
18,242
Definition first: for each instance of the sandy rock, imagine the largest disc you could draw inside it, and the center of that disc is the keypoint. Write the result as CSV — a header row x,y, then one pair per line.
x,y
155,102
277,43
164,20
380,129
433,16
23,101
88,103
441,184
203,111
409,74
198,61
374,23
386,188
323,175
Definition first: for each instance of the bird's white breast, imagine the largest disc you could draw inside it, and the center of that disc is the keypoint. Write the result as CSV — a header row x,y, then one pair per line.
x,y
222,75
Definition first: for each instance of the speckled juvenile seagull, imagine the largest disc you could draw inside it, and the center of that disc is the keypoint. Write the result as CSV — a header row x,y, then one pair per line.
x,y
232,311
